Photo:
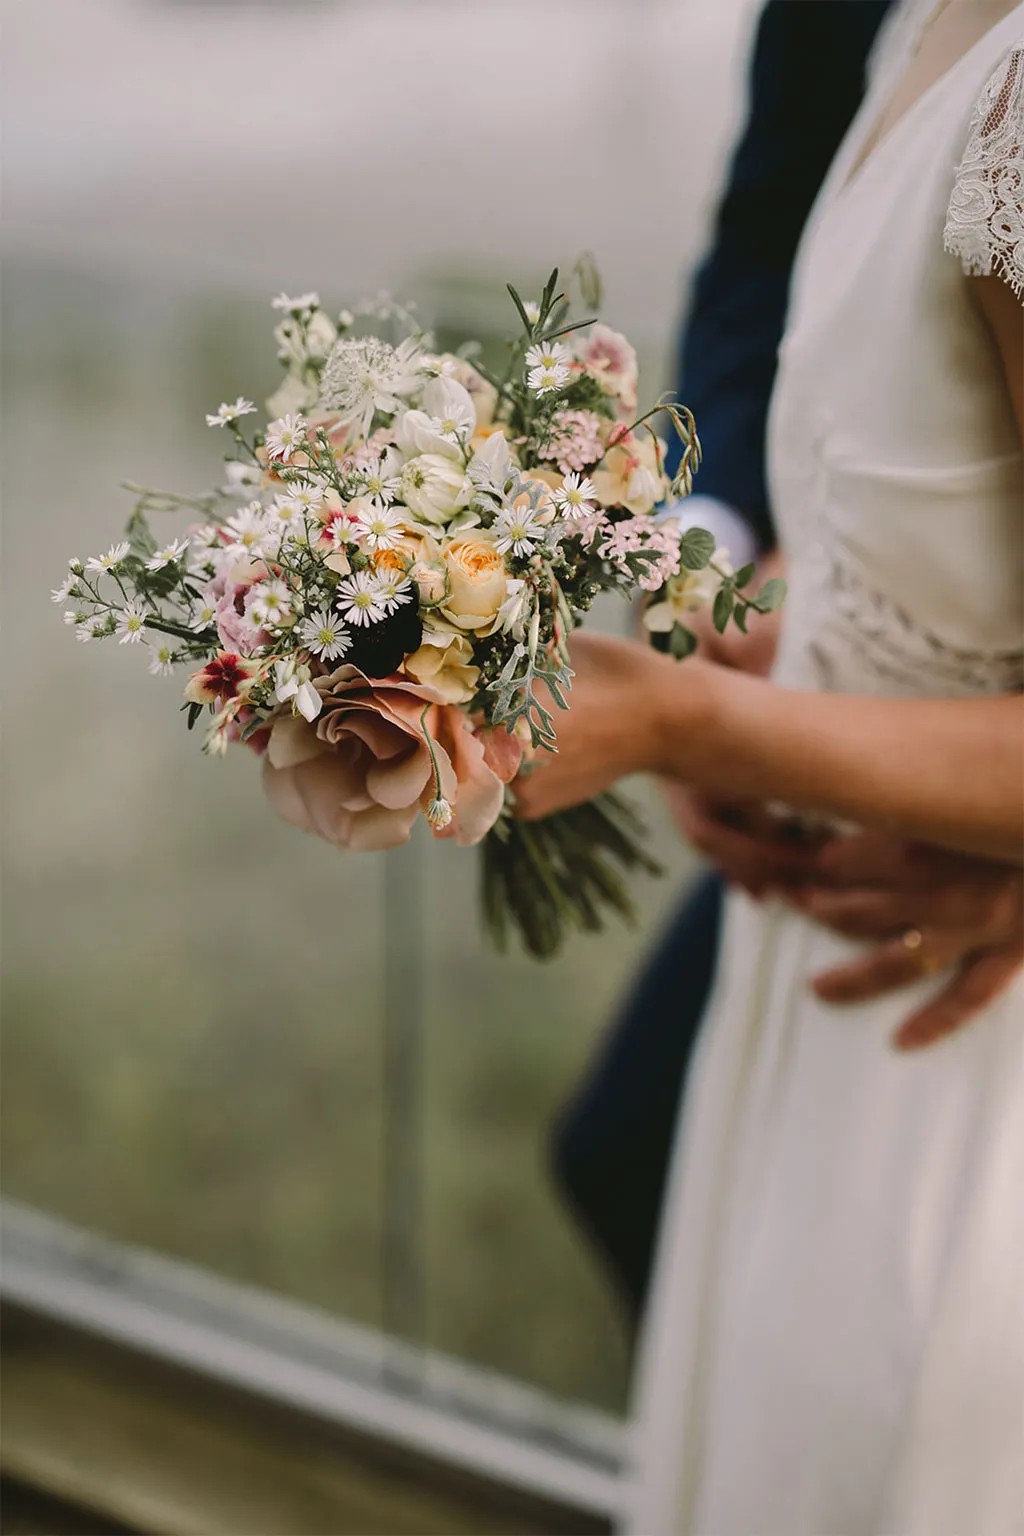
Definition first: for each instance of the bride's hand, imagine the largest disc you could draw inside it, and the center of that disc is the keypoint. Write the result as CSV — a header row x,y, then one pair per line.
x,y
611,728
964,914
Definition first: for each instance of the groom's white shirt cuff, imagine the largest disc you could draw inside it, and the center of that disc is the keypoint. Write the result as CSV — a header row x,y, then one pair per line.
x,y
729,530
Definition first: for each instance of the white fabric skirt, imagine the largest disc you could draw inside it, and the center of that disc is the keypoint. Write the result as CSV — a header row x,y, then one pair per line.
x,y
834,1342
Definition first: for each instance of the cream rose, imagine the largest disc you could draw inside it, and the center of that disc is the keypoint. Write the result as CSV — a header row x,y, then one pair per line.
x,y
478,582
444,662
431,578
434,488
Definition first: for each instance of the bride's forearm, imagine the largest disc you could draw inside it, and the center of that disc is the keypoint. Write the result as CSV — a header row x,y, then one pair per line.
x,y
946,771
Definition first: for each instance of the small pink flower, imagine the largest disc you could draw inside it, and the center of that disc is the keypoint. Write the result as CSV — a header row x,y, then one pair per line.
x,y
575,441
232,589
226,677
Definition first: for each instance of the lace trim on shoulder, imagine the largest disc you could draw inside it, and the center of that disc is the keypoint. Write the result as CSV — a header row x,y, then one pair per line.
x,y
985,218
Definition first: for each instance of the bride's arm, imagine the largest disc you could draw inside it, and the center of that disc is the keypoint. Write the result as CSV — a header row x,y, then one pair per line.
x,y
945,771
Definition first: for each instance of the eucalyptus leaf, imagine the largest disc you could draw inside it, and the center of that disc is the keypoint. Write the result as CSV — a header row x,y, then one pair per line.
x,y
771,596
744,574
722,610
682,642
696,548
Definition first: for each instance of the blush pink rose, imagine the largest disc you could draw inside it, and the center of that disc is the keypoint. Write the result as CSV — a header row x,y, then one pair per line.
x,y
363,770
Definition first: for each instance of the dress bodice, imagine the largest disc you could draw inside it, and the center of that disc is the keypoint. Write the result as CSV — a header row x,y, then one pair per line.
x,y
894,458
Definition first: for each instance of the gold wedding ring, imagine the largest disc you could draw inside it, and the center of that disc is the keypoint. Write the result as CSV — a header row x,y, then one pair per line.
x,y
913,942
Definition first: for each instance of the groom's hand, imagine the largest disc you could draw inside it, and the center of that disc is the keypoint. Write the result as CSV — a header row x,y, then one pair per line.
x,y
926,910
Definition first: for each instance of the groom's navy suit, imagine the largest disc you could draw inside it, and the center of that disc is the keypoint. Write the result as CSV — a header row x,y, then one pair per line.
x,y
612,1141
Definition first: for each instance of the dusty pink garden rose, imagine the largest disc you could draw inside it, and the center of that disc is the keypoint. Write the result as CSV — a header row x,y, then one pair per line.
x,y
611,359
360,774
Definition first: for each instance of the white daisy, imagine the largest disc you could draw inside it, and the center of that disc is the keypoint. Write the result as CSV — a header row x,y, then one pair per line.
x,y
206,536
304,500
111,560
324,634
379,526
378,481
203,615
548,355
74,616
228,413
543,380
575,496
285,437
359,599
166,556
240,478
299,306
365,375
394,589
67,588
93,628
518,530
344,530
532,309
249,530
268,603
161,659
131,624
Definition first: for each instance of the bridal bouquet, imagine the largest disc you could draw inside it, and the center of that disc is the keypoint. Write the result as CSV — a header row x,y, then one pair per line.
x,y
378,601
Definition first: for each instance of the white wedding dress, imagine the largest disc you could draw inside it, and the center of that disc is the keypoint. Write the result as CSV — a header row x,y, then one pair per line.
x,y
835,1344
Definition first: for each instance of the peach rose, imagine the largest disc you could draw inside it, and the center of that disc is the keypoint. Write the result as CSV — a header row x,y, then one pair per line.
x,y
361,773
477,582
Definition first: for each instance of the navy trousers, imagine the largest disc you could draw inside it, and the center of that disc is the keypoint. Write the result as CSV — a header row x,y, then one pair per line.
x,y
612,1140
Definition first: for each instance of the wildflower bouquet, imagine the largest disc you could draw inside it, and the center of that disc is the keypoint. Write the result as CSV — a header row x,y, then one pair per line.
x,y
378,600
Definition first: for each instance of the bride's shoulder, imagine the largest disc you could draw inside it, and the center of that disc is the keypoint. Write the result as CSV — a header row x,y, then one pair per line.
x,y
985,217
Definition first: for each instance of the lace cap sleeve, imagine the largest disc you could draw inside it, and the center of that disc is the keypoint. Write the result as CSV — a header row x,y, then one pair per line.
x,y
985,218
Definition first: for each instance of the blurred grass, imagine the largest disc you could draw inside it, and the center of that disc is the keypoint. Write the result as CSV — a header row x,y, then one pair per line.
x,y
192,991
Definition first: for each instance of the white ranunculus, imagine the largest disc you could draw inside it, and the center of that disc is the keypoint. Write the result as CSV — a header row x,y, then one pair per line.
x,y
452,404
492,461
418,432
434,488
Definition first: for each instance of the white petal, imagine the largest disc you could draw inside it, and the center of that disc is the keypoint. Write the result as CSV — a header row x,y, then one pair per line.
x,y
308,701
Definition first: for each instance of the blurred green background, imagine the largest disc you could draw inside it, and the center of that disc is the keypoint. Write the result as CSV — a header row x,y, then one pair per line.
x,y
193,993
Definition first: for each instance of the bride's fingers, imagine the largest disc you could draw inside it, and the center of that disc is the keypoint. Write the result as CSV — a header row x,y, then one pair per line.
x,y
889,967
876,858
753,861
879,913
978,982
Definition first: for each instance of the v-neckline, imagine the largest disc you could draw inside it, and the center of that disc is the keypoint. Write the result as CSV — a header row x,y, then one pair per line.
x,y
856,173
